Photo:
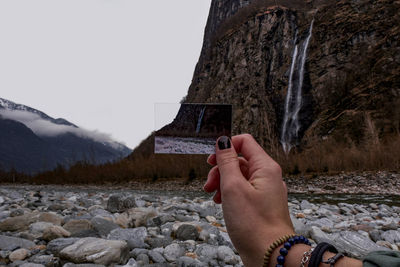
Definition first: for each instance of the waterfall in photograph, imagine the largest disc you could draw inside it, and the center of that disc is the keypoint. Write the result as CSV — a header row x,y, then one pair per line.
x,y
200,119
291,124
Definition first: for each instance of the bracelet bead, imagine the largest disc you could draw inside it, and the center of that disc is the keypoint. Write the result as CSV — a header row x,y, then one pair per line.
x,y
286,247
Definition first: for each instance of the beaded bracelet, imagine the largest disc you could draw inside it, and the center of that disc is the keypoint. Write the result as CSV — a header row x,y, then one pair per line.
x,y
286,247
273,246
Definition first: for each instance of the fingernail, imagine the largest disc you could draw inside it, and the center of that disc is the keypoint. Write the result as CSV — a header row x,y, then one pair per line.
x,y
224,142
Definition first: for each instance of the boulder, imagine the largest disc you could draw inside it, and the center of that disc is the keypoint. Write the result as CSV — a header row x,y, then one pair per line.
x,y
135,217
56,245
156,256
392,236
50,217
133,236
173,251
96,250
76,226
19,223
103,226
54,232
355,244
187,232
19,254
120,203
11,243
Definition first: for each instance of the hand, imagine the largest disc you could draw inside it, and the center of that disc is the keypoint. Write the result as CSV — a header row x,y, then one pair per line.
x,y
253,196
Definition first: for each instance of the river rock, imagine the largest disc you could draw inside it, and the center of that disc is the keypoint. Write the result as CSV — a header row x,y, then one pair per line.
x,y
103,226
318,235
77,226
206,252
227,255
162,219
135,217
133,236
158,241
69,264
187,232
323,222
173,251
392,236
57,207
143,259
50,217
46,260
120,203
131,263
299,227
11,243
54,232
19,254
156,256
18,223
30,264
56,245
355,244
305,205
189,262
96,250
38,228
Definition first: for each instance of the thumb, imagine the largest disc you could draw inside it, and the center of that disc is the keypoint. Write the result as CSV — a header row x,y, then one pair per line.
x,y
227,161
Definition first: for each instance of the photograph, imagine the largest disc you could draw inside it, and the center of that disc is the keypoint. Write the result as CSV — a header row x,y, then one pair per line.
x,y
194,130
232,133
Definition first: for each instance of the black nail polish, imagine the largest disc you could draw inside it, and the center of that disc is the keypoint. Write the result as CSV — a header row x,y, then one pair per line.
x,y
224,142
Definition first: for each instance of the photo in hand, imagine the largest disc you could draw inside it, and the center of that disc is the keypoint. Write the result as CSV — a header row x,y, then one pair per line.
x,y
194,130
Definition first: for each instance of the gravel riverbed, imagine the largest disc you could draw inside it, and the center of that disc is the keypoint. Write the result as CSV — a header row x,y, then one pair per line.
x,y
78,226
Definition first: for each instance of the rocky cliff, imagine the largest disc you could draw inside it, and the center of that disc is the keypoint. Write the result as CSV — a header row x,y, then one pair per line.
x,y
351,78
301,73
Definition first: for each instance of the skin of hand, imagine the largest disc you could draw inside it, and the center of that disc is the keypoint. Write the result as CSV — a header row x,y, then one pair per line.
x,y
253,196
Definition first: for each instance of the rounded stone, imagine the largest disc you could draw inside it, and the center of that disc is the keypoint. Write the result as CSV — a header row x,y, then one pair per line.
x,y
19,254
173,251
187,232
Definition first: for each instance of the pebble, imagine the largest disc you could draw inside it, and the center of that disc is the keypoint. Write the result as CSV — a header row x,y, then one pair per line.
x,y
19,254
162,230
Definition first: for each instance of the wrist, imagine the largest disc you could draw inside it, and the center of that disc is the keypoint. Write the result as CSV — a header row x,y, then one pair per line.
x,y
255,255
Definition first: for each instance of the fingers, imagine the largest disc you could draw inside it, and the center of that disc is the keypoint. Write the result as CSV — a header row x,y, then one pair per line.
x,y
257,158
228,164
212,183
213,178
217,197
212,160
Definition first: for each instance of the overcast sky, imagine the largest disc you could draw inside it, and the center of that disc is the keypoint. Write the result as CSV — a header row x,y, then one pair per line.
x,y
101,64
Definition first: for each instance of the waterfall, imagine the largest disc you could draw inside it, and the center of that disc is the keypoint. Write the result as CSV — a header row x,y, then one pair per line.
x,y
200,119
293,102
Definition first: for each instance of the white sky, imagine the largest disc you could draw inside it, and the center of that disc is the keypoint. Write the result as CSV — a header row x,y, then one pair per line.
x,y
101,64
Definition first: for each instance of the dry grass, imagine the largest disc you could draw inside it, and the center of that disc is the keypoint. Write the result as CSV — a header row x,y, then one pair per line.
x,y
334,157
328,157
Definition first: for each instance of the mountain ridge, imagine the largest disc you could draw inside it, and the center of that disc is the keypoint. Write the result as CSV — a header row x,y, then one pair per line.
x,y
31,141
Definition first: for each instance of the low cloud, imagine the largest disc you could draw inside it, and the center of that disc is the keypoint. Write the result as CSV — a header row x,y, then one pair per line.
x,y
47,128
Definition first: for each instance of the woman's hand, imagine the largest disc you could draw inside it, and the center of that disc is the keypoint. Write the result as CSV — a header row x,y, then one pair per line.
x,y
252,193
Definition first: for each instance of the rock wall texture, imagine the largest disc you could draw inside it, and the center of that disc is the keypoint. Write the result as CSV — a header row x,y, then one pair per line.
x,y
352,72
351,85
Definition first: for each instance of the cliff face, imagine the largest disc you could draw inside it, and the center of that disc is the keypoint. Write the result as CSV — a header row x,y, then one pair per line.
x,y
302,73
351,74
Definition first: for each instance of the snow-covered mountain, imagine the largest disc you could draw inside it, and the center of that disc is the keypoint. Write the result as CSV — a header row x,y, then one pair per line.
x,y
31,141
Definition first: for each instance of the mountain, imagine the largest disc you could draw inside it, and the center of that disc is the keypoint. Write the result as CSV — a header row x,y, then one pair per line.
x,y
303,75
31,141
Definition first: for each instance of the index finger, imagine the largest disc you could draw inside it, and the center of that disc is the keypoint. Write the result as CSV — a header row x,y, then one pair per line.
x,y
246,145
